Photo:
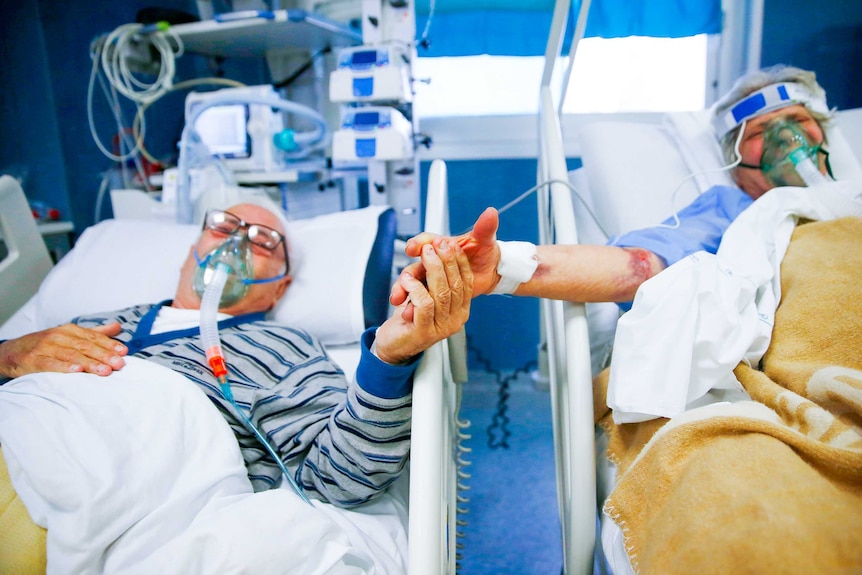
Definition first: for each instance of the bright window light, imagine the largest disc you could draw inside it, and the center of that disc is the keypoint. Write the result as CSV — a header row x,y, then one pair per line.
x,y
638,74
634,74
478,85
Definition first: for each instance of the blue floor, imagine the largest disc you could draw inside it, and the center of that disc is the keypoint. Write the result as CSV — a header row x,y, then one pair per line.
x,y
513,525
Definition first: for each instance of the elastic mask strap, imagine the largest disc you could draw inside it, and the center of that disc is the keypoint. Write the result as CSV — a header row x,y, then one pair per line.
x,y
825,152
198,260
263,280
820,150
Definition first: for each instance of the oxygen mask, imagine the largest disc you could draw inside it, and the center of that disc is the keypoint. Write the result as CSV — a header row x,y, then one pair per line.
x,y
789,156
236,256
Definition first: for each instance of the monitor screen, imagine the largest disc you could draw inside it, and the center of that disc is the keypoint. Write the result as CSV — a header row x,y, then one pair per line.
x,y
366,118
365,57
223,130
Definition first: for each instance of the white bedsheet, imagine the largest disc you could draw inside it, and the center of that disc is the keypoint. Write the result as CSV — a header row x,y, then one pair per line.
x,y
693,323
139,473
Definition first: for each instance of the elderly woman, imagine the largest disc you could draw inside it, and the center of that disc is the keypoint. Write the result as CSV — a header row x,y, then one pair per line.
x,y
778,99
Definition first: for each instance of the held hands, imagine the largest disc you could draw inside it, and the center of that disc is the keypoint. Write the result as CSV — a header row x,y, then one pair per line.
x,y
428,314
479,245
65,349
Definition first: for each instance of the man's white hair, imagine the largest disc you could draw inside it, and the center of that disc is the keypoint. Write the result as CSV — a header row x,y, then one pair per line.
x,y
224,202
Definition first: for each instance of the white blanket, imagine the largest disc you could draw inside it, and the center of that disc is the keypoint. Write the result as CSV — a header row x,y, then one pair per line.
x,y
139,473
691,325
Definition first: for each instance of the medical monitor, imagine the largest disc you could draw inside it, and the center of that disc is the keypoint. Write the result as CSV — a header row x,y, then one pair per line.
x,y
223,130
366,120
363,58
240,134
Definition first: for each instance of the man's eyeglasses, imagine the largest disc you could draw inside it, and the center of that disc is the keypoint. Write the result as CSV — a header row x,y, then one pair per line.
x,y
262,236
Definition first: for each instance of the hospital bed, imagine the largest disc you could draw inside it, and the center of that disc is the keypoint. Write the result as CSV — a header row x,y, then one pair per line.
x,y
344,273
668,514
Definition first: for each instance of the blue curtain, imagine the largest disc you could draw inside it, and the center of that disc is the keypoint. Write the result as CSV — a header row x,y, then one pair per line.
x,y
520,27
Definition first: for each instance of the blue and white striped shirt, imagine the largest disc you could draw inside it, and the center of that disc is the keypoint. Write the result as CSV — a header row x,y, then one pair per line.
x,y
344,442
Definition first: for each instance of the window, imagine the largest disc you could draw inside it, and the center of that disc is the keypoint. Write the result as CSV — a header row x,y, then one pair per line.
x,y
634,74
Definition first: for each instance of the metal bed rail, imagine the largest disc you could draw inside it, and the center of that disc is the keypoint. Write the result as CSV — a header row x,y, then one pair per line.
x,y
564,324
436,458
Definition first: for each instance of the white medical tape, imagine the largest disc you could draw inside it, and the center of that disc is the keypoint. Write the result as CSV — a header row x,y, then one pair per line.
x,y
517,264
767,99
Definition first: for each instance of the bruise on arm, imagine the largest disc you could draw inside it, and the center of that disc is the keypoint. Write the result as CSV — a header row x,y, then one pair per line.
x,y
642,265
590,273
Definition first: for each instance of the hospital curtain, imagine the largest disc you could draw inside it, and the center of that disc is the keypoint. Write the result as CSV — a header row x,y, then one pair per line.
x,y
520,27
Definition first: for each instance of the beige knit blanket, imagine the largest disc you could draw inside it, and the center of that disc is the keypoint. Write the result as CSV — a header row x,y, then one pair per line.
x,y
22,542
772,485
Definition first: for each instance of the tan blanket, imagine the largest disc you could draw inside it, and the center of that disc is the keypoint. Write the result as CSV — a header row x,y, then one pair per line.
x,y
22,542
773,485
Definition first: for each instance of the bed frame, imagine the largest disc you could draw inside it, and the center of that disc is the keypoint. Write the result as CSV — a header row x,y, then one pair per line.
x,y
436,462
564,324
26,261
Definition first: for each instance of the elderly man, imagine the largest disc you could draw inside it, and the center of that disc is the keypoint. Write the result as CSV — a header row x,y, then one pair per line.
x,y
344,441
614,272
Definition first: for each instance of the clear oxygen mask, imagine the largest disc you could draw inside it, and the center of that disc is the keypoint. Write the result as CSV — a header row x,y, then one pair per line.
x,y
789,156
235,255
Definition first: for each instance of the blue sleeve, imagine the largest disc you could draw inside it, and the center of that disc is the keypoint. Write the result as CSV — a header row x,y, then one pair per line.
x,y
382,379
701,226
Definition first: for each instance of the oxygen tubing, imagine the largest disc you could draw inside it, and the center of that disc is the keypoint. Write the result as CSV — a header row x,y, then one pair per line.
x,y
212,346
806,168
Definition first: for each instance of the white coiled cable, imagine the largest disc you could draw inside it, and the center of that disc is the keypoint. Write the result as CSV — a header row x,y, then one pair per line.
x,y
115,65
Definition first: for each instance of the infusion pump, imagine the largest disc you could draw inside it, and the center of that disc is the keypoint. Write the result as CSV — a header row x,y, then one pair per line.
x,y
373,133
371,73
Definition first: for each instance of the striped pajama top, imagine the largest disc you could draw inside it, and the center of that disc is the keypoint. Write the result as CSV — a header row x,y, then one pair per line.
x,y
343,441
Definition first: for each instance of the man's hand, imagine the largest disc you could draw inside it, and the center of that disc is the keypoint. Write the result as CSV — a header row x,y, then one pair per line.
x,y
65,349
429,313
480,246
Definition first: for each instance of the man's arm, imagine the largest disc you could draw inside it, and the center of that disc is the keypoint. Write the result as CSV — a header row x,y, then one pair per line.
x,y
366,441
584,273
65,349
363,444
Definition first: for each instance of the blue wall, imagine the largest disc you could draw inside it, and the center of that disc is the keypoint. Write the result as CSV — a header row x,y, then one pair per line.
x,y
825,37
503,329
31,146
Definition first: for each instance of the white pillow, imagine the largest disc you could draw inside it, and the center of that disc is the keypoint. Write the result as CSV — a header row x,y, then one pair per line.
x,y
633,168
120,263
845,145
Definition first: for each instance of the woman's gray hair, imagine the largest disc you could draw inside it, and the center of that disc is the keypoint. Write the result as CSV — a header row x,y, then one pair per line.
x,y
754,81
